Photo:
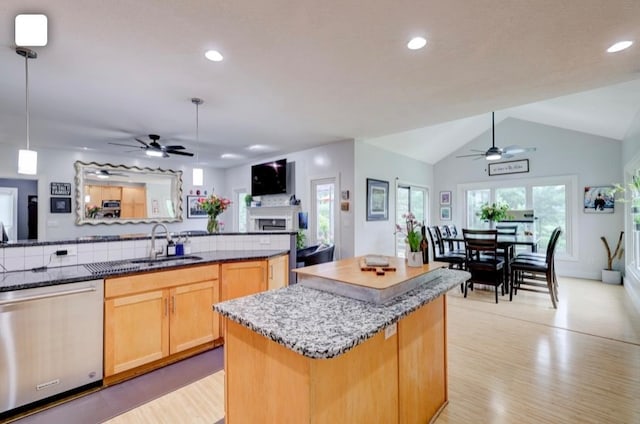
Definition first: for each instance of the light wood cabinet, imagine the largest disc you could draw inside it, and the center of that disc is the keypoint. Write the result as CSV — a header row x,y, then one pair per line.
x,y
134,202
135,330
391,378
153,316
238,279
278,272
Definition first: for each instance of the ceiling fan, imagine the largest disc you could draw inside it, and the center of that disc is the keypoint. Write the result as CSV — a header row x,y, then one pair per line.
x,y
496,153
153,148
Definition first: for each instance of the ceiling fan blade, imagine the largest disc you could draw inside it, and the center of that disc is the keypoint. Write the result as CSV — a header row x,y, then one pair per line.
x,y
126,145
174,147
177,152
472,155
144,143
155,145
515,150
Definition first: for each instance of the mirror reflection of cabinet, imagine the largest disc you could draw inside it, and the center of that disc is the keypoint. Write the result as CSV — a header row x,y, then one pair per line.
x,y
110,194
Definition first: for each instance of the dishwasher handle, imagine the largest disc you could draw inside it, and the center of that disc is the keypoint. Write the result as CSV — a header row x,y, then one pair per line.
x,y
46,296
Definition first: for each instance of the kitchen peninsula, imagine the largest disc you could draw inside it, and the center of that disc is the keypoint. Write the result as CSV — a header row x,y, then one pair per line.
x,y
299,354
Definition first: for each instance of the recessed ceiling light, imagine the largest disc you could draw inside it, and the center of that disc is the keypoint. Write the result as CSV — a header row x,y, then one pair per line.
x,y
416,43
31,30
619,46
229,156
213,55
255,147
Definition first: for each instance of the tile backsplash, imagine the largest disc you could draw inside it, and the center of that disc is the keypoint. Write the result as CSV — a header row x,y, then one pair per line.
x,y
18,258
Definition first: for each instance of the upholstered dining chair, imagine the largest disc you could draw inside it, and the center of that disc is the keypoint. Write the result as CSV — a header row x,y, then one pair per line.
x,y
482,260
530,272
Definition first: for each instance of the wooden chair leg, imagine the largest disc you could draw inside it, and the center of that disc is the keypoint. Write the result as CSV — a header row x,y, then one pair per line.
x,y
466,285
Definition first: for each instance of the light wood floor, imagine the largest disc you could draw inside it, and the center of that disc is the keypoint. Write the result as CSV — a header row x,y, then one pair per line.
x,y
518,362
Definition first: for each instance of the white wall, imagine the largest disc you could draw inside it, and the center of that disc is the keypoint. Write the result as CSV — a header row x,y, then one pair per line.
x,y
331,160
592,159
56,165
374,162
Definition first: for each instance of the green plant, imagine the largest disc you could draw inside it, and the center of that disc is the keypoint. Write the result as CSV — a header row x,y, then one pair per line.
x,y
301,240
247,199
412,232
617,253
214,205
636,219
494,211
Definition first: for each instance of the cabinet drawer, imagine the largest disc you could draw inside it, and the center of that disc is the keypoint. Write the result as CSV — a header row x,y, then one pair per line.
x,y
158,280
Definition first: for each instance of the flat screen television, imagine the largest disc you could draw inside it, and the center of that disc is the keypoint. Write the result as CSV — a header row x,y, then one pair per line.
x,y
269,178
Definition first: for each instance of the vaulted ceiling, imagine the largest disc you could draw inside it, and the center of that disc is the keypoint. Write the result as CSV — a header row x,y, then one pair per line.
x,y
301,73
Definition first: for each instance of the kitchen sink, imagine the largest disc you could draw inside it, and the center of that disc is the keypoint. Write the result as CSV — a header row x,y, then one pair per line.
x,y
177,259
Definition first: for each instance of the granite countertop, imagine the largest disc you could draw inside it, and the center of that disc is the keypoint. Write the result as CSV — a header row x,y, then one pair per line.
x,y
318,324
128,237
19,280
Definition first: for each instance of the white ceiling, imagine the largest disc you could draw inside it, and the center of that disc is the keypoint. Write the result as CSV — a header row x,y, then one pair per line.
x,y
300,73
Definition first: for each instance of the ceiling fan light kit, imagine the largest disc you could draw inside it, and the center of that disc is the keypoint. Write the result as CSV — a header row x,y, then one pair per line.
x,y
497,153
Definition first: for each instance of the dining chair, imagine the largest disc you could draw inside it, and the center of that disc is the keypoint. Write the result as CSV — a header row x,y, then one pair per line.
x,y
532,273
455,260
453,232
482,260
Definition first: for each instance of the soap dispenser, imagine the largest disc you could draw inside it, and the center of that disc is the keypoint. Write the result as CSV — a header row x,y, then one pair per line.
x,y
171,248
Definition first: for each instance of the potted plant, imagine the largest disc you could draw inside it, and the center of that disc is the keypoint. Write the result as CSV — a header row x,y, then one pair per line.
x,y
609,275
494,212
636,222
247,199
413,238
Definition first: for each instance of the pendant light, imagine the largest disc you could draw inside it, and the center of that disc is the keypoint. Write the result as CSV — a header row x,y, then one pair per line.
x,y
27,159
198,173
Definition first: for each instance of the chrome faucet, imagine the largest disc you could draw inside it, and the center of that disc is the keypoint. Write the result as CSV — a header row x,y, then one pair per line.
x,y
154,253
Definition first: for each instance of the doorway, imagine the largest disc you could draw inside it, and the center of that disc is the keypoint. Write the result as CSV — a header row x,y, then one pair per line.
x,y
25,213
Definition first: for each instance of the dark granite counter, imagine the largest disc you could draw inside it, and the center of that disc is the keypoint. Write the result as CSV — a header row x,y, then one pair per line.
x,y
19,280
318,324
127,237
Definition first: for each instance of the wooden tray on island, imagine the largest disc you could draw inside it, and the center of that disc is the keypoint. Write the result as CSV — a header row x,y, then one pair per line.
x,y
346,277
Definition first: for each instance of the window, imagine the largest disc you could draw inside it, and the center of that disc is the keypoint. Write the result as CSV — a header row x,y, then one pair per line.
x,y
409,199
549,197
241,209
323,221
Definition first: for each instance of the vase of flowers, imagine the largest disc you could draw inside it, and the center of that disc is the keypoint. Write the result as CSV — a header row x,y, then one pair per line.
x,y
213,206
494,212
413,237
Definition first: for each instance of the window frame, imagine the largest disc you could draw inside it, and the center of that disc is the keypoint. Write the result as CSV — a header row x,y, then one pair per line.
x,y
572,203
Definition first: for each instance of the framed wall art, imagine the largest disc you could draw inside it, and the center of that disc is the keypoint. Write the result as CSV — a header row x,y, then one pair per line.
x,y
377,200
445,213
61,205
445,197
599,199
194,210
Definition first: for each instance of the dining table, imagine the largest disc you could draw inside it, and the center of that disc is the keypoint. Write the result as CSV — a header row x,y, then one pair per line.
x,y
507,242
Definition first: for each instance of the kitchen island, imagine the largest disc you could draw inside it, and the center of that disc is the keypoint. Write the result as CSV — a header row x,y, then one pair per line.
x,y
299,354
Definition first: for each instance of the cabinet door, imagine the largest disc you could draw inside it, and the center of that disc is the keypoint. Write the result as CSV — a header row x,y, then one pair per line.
x,y
278,269
136,330
243,278
134,202
191,322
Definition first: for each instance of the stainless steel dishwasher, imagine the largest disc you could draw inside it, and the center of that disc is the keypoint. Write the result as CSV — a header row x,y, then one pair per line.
x,y
50,341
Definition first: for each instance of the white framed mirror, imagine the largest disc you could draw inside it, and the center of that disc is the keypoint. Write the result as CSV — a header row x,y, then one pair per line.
x,y
119,194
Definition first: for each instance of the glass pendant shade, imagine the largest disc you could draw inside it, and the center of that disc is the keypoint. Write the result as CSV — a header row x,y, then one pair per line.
x,y
27,162
198,177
